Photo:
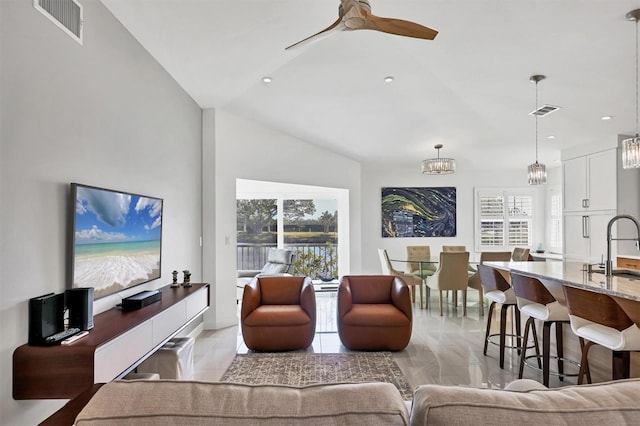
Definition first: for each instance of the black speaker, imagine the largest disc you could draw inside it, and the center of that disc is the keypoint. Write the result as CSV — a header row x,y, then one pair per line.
x,y
80,304
46,317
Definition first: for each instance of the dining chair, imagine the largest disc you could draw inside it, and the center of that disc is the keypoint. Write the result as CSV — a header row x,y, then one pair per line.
x,y
475,282
470,269
411,280
420,253
520,255
498,290
451,275
454,248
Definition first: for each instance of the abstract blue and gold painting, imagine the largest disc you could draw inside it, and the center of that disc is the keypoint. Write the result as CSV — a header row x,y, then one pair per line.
x,y
419,212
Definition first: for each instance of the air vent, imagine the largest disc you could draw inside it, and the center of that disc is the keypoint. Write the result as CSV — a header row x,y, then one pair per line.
x,y
66,14
544,110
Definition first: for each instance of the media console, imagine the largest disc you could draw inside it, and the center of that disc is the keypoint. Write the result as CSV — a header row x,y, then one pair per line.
x,y
118,342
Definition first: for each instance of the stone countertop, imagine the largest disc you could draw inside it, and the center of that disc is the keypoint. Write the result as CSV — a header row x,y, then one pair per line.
x,y
546,255
571,273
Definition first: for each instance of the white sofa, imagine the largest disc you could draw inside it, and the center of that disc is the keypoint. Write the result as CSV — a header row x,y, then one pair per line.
x,y
524,403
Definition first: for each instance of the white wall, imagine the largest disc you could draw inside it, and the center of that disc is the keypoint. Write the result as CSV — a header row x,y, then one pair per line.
x,y
375,178
104,113
247,150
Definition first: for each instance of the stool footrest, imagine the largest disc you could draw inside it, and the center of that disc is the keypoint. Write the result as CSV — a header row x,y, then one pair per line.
x,y
552,372
509,336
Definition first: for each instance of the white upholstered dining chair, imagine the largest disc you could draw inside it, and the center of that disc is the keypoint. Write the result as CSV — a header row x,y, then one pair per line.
x,y
451,275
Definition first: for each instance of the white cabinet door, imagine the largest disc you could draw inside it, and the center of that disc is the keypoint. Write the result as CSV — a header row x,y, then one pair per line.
x,y
575,184
585,236
590,182
602,180
576,243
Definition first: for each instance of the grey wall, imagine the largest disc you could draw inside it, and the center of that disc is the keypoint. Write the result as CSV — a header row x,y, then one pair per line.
x,y
105,114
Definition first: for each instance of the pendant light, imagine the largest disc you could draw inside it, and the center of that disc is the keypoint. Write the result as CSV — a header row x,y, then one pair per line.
x,y
631,146
536,172
438,166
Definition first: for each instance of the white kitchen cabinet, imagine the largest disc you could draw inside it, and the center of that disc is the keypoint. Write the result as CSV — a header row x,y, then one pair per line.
x,y
585,236
590,182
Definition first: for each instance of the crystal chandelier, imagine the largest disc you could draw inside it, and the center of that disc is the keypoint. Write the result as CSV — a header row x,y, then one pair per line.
x,y
438,166
536,172
631,146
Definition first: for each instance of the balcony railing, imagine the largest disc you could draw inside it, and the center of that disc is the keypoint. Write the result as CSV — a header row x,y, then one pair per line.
x,y
254,256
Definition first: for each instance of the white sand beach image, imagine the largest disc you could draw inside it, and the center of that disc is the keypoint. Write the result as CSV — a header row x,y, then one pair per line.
x,y
117,240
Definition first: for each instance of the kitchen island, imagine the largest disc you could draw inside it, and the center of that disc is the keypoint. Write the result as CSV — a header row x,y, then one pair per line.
x,y
624,289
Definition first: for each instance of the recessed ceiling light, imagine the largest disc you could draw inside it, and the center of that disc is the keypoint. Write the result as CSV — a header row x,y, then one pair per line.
x,y
606,117
266,80
551,137
388,79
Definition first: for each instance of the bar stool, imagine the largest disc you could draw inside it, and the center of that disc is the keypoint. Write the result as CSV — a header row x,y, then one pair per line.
x,y
597,318
498,290
474,281
536,301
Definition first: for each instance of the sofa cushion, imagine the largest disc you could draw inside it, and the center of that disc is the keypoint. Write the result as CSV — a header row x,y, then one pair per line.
x,y
598,404
378,315
277,315
198,403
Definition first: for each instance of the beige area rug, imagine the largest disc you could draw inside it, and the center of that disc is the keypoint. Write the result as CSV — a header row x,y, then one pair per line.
x,y
301,369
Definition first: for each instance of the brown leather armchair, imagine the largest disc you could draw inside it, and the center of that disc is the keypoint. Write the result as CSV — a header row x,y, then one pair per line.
x,y
374,312
278,313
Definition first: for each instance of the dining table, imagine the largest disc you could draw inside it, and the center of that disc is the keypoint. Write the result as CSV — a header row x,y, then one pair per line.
x,y
428,265
431,263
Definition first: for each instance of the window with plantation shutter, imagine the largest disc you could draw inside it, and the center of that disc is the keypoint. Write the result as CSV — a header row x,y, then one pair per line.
x,y
491,220
520,214
504,219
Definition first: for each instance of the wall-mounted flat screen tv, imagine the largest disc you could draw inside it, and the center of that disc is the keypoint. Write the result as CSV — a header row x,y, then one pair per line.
x,y
116,239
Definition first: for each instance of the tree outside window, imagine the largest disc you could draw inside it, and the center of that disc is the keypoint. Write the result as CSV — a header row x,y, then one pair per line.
x,y
310,228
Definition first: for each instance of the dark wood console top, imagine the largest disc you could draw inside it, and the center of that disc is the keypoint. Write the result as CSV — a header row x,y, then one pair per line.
x,y
66,416
114,322
62,372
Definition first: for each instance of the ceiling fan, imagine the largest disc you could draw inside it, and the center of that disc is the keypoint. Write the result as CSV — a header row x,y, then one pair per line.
x,y
356,15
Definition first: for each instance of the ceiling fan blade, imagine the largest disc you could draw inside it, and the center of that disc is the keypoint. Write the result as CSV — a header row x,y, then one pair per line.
x,y
399,27
336,26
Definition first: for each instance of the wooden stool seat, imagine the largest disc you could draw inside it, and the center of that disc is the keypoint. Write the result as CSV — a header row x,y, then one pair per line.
x,y
597,318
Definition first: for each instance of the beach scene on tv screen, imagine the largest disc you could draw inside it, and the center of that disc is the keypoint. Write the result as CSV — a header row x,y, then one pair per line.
x,y
116,240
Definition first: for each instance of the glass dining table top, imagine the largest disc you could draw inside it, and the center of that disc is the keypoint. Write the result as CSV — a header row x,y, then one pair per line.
x,y
428,265
429,260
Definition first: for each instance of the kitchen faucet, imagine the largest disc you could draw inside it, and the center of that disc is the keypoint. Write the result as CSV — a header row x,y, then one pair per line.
x,y
608,267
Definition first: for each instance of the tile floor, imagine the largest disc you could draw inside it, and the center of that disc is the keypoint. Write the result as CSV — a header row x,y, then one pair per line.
x,y
443,350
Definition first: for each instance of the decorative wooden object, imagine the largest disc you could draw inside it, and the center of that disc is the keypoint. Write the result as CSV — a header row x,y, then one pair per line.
x,y
628,263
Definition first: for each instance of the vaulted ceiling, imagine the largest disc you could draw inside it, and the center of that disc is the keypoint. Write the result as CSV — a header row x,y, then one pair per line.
x,y
468,89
